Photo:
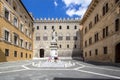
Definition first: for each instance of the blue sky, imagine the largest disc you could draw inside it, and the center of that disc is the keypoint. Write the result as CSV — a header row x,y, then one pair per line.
x,y
57,8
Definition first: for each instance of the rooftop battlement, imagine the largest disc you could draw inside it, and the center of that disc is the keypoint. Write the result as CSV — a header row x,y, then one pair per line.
x,y
56,19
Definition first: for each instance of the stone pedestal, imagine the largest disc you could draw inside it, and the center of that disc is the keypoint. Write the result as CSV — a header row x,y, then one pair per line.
x,y
53,49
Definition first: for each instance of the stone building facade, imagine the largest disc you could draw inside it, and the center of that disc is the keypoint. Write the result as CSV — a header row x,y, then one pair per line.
x,y
16,31
101,31
68,33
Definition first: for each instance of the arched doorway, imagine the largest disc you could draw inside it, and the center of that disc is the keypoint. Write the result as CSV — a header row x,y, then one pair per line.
x,y
41,53
117,53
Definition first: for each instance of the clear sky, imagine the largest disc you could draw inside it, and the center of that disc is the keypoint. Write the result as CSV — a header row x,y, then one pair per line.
x,y
57,8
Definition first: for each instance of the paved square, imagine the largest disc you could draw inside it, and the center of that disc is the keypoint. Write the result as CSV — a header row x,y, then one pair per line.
x,y
24,70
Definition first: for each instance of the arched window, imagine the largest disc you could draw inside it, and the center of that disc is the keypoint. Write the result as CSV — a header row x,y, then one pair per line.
x,y
117,23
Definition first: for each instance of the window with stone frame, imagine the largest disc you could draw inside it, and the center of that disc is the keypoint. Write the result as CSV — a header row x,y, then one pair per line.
x,y
85,54
90,40
86,43
75,38
37,27
26,55
68,46
96,51
67,27
37,38
6,52
45,37
75,27
6,35
29,55
30,46
117,24
105,51
90,53
21,27
105,9
52,27
6,14
26,45
60,37
96,37
75,46
60,27
21,54
21,42
105,32
15,22
90,25
85,30
60,46
68,37
16,39
45,27
15,53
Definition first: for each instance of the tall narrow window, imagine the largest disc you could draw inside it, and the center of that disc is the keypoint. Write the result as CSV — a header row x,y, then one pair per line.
x,y
15,39
67,27
85,30
6,14
21,42
96,37
107,7
6,52
85,54
15,22
37,27
21,54
67,46
45,27
90,53
60,27
86,43
26,55
117,25
103,10
7,34
75,46
21,27
15,53
105,32
105,50
90,41
96,51
90,25
60,46
52,27
75,27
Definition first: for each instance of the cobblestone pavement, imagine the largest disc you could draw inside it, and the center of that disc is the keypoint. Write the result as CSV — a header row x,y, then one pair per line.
x,y
24,70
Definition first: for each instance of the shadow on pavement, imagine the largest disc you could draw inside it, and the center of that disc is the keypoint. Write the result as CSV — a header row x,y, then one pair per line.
x,y
98,63
81,79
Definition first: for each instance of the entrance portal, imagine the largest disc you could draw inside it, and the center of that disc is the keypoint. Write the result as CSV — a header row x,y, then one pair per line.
x,y
117,53
41,53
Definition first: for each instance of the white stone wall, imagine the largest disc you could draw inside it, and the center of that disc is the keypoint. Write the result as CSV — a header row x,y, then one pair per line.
x,y
63,51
